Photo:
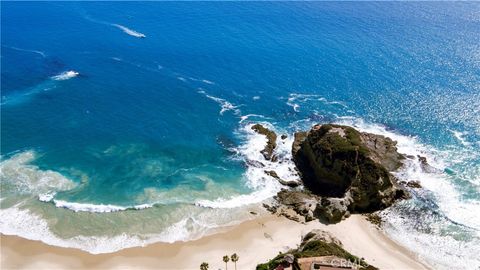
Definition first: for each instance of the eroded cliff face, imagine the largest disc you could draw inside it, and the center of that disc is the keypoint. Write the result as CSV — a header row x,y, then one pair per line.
x,y
349,170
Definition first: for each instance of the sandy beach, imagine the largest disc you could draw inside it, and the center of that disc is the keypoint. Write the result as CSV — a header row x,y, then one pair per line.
x,y
254,241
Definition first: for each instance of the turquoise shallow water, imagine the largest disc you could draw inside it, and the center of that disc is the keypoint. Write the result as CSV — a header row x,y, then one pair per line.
x,y
128,123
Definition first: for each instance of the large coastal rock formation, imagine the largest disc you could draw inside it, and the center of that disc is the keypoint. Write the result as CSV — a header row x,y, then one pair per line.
x,y
349,170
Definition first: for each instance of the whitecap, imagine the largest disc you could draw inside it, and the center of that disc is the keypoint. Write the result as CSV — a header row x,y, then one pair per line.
x,y
125,29
291,103
225,105
244,118
460,136
65,75
207,81
42,54
129,31
294,100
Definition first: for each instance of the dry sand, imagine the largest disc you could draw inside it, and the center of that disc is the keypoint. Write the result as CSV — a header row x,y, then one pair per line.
x,y
254,241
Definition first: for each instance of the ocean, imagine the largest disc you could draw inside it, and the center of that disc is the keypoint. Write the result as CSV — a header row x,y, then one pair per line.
x,y
128,123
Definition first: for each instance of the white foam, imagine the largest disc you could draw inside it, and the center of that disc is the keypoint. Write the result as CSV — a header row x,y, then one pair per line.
x,y
460,136
27,50
244,118
97,208
251,150
27,178
241,200
65,75
436,180
291,103
440,251
129,31
88,207
46,197
294,100
263,185
23,223
225,105
302,98
207,82
448,252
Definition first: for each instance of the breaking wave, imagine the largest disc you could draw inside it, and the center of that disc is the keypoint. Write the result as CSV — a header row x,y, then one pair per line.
x,y
65,75
88,207
24,223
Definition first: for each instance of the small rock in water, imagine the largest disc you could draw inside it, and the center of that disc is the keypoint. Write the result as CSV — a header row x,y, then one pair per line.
x,y
411,184
267,152
281,181
254,163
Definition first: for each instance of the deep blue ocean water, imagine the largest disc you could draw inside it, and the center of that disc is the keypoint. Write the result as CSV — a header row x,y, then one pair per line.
x,y
108,106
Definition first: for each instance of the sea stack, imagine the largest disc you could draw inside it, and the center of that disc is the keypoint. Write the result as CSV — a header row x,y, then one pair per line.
x,y
349,170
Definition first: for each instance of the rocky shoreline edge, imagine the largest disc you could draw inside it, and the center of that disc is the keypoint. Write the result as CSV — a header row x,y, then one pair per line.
x,y
342,171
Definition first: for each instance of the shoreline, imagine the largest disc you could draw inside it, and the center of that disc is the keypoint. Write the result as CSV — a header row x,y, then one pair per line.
x,y
255,241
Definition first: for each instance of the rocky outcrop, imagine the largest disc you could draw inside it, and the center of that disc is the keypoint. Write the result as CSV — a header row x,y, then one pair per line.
x,y
319,244
296,205
274,174
348,169
267,152
302,203
411,184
